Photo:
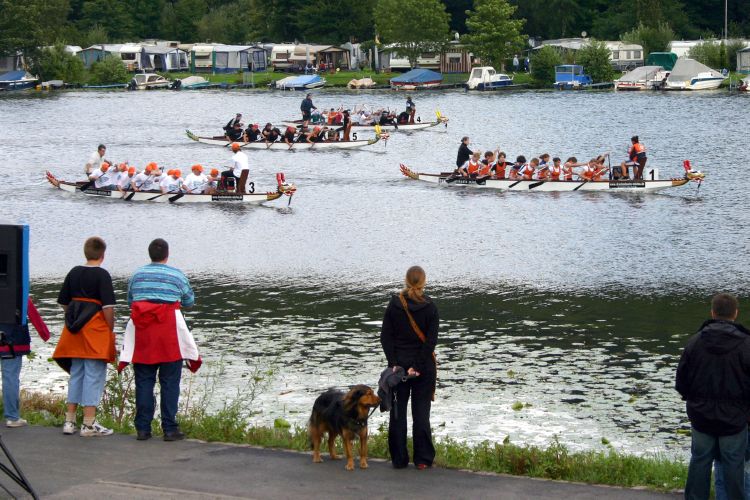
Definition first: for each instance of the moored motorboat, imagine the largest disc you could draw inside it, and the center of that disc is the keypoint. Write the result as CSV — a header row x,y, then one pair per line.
x,y
301,82
642,78
282,146
82,188
628,185
689,74
18,80
148,81
485,78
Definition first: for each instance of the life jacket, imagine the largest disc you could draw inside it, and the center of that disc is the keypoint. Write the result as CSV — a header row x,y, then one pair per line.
x,y
500,169
597,175
587,175
639,148
528,172
485,169
543,174
555,172
473,167
567,172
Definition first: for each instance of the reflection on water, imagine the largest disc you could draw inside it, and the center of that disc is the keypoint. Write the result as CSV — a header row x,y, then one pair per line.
x,y
590,366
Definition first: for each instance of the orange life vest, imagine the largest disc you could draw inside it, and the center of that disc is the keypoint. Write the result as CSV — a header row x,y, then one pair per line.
x,y
528,172
555,172
639,148
473,167
543,174
484,169
568,172
500,169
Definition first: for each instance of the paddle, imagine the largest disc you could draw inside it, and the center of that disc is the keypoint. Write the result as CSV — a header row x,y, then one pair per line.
x,y
176,197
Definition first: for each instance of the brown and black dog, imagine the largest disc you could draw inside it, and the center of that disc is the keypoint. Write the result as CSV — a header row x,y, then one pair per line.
x,y
342,414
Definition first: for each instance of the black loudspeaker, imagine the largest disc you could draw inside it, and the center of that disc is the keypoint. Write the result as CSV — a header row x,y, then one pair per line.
x,y
14,273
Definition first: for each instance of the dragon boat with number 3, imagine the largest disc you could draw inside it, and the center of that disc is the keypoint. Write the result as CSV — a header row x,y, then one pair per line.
x,y
626,185
282,146
82,188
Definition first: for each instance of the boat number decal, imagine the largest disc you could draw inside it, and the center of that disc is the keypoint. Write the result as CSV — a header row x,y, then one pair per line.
x,y
652,174
627,185
419,119
251,187
226,197
354,136
98,192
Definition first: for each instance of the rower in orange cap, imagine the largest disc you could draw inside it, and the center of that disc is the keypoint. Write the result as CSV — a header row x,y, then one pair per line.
x,y
172,183
125,179
103,177
196,182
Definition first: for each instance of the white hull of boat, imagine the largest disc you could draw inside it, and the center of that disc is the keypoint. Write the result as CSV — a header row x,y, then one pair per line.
x,y
545,186
281,146
141,196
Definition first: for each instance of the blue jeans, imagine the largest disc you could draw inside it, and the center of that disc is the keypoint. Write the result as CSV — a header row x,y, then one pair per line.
x,y
11,387
145,402
87,378
719,486
703,450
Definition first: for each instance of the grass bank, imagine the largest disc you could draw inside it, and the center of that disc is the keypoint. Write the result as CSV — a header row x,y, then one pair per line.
x,y
231,425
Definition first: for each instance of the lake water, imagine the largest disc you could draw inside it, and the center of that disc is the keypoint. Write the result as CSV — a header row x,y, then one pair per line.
x,y
575,304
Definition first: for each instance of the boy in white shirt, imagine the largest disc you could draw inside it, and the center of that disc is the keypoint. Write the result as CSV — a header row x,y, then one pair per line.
x,y
196,182
172,183
103,177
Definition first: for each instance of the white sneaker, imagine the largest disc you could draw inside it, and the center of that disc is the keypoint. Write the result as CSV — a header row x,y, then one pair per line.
x,y
19,422
95,430
69,428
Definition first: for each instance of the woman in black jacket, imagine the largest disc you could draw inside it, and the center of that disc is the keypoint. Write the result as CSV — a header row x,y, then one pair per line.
x,y
408,337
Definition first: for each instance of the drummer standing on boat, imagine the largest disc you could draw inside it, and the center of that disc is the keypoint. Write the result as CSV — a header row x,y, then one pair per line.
x,y
96,159
464,153
411,109
306,107
239,163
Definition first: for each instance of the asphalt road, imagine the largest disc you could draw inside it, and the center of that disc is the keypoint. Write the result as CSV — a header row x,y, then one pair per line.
x,y
119,467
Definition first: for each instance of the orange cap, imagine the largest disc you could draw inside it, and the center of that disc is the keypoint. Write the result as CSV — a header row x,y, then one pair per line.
x,y
131,170
169,172
199,168
235,146
214,172
151,166
105,166
176,172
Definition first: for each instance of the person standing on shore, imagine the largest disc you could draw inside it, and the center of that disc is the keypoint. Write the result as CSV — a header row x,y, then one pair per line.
x,y
87,342
408,337
15,343
157,340
713,377
96,159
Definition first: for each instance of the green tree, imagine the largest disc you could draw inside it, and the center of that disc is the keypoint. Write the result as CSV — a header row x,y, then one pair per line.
x,y
27,25
595,61
709,53
732,47
55,64
543,62
651,38
180,19
114,16
335,21
493,35
412,26
109,70
225,24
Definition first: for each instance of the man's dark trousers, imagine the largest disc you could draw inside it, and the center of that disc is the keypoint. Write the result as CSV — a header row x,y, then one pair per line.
x,y
145,402
704,449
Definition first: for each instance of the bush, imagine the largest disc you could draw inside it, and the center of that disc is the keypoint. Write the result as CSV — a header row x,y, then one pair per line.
x,y
732,47
595,61
543,63
651,38
56,64
709,53
109,70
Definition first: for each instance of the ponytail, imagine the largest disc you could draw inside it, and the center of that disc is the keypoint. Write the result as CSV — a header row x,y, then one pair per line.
x,y
415,281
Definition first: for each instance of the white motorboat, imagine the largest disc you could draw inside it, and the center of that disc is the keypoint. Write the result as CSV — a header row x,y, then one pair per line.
x,y
689,74
148,81
642,78
486,78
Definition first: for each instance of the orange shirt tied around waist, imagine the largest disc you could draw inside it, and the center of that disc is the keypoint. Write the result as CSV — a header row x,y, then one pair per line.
x,y
94,341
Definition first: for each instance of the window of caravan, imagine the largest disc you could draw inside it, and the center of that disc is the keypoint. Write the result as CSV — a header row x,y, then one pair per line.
x,y
636,54
222,59
615,54
127,56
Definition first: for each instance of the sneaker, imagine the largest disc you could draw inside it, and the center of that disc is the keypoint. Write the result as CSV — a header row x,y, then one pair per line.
x,y
95,430
19,422
69,428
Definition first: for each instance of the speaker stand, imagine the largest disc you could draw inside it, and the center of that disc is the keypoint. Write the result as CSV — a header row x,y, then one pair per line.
x,y
16,474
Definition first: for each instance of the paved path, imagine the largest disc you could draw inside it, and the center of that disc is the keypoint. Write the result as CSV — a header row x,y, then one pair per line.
x,y
119,467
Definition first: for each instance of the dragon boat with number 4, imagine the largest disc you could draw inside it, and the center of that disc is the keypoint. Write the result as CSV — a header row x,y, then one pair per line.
x,y
283,146
403,127
86,189
489,182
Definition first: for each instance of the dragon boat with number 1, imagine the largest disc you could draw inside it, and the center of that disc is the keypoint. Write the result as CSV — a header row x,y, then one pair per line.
x,y
628,185
85,188
282,146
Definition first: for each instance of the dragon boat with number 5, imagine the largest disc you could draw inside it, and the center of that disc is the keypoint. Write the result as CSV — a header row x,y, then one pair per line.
x,y
282,146
86,189
489,182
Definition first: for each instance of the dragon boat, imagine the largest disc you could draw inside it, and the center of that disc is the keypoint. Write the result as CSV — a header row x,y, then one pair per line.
x,y
84,188
282,146
626,185
406,127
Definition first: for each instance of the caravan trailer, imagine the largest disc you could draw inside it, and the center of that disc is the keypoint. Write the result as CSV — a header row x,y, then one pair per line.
x,y
280,55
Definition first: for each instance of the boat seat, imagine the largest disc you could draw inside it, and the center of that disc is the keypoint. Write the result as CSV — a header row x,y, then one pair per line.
x,y
240,189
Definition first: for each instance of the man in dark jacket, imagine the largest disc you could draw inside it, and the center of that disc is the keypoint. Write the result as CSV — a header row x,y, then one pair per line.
x,y
306,107
713,377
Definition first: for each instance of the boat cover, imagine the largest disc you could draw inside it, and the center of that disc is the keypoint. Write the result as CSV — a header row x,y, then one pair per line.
x,y
666,60
418,75
299,81
14,76
643,73
686,69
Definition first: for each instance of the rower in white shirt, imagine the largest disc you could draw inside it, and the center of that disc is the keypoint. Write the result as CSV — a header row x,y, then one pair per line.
x,y
125,180
140,179
239,163
213,181
103,177
172,183
196,182
153,179
96,159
